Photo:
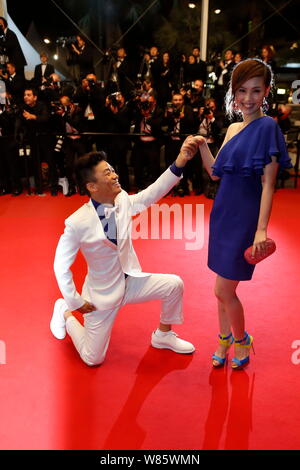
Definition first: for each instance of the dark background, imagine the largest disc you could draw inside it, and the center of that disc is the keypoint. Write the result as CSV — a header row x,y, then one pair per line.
x,y
169,23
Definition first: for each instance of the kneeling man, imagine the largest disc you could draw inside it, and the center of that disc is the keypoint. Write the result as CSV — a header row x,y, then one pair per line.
x,y
101,229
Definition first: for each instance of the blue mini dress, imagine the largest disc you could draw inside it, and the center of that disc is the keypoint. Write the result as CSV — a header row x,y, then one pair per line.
x,y
234,217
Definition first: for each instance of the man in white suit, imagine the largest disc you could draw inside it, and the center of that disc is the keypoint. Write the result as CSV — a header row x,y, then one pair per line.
x,y
101,229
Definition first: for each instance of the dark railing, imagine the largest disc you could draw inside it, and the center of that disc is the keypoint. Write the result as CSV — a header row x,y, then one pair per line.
x,y
292,137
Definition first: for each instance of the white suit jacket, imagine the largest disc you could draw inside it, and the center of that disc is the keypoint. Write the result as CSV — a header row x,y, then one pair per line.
x,y
104,284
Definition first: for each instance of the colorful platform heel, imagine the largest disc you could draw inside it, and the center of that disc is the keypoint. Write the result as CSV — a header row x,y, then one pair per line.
x,y
224,341
238,364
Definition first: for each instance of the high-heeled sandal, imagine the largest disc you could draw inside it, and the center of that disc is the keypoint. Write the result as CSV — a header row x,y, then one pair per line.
x,y
247,341
224,341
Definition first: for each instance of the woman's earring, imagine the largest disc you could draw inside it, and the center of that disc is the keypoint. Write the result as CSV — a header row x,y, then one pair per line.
x,y
265,105
235,106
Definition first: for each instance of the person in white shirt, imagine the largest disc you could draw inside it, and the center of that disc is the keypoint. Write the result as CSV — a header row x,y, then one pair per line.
x,y
42,71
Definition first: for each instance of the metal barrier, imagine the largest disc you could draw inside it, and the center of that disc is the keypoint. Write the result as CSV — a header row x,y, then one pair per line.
x,y
133,136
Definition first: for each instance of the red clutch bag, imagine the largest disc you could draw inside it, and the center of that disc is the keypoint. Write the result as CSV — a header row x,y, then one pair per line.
x,y
270,248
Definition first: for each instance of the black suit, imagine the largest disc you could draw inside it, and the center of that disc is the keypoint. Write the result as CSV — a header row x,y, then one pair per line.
x,y
192,170
40,146
220,89
146,155
124,76
200,70
14,51
37,79
117,147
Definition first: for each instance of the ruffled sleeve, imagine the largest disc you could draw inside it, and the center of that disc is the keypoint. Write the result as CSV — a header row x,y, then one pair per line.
x,y
248,152
272,145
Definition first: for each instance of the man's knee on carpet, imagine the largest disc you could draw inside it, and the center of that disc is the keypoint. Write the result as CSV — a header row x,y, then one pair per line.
x,y
92,359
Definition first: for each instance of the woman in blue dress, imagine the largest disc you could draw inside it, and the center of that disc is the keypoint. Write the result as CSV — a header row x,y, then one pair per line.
x,y
247,165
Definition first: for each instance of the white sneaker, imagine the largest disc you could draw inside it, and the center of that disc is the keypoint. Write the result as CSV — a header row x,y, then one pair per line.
x,y
170,340
58,322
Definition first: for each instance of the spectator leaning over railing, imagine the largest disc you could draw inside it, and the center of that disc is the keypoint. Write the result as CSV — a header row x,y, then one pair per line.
x,y
118,118
71,122
90,97
146,152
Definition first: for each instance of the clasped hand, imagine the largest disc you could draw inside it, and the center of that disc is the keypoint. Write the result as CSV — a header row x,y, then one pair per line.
x,y
87,307
190,147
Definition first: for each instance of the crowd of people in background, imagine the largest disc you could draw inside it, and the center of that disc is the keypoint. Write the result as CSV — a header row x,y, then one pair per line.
x,y
140,121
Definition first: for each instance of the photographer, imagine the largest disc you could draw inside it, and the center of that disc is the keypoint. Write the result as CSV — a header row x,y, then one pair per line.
x,y
51,89
82,56
70,121
117,119
32,120
190,70
209,124
201,65
10,171
147,87
194,96
179,119
123,70
14,82
146,151
154,64
91,99
164,81
223,73
10,43
281,115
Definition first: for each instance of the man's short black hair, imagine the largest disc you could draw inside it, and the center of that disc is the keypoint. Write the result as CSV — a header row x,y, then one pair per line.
x,y
30,88
84,167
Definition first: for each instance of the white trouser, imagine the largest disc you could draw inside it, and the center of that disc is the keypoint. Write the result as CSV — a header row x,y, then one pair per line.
x,y
92,339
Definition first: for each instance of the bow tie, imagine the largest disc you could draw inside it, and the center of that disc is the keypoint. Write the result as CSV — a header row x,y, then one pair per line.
x,y
104,211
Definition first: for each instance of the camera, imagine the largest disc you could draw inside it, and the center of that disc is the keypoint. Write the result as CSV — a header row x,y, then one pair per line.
x,y
173,111
3,70
113,98
145,105
207,110
48,82
194,91
56,106
136,93
176,113
66,41
91,82
13,109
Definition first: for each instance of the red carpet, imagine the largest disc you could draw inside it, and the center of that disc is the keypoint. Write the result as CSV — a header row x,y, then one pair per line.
x,y
142,398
